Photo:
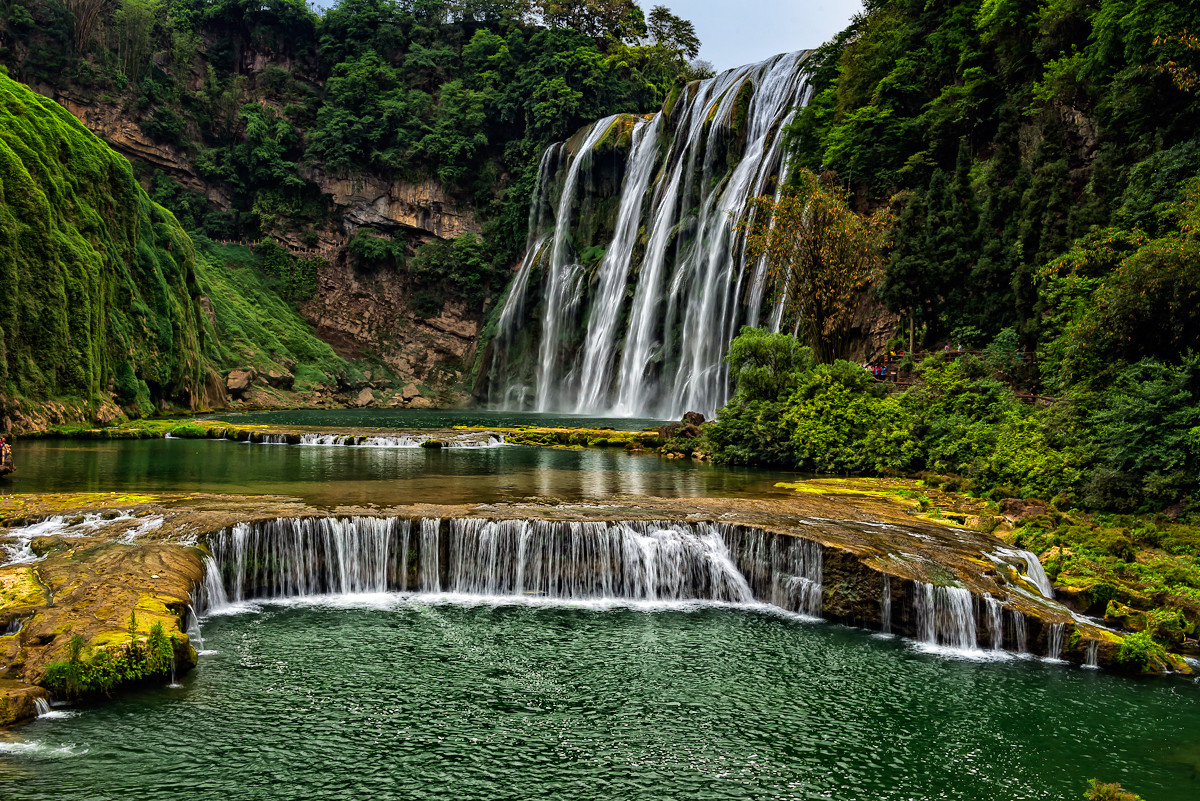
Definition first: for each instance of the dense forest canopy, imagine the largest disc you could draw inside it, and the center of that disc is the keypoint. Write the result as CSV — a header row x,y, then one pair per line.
x,y
1001,132
1041,165
262,96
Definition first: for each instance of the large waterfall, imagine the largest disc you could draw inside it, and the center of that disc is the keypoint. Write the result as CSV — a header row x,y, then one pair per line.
x,y
641,279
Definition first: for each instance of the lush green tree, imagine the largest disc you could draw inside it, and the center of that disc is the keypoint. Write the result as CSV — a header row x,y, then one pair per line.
x,y
820,256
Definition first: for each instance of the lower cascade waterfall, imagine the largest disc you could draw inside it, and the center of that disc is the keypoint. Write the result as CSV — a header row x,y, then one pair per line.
x,y
642,561
639,561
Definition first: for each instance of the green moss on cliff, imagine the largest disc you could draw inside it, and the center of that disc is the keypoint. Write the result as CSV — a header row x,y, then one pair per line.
x,y
254,326
99,282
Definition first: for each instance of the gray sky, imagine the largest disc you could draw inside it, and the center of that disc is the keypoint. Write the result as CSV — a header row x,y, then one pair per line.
x,y
746,31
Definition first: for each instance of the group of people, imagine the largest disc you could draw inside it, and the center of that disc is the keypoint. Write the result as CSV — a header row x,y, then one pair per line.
x,y
880,367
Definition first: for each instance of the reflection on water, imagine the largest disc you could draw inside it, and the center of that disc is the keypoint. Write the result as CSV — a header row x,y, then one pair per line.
x,y
327,476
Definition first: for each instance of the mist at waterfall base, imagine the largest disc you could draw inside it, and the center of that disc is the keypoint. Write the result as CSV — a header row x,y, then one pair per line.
x,y
643,331
387,696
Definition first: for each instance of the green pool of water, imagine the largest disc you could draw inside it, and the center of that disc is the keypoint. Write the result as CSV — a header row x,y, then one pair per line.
x,y
334,475
409,700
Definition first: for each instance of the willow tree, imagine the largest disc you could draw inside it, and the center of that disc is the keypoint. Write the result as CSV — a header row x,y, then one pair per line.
x,y
820,257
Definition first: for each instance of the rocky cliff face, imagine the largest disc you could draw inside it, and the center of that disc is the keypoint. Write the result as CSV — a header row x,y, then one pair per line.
x,y
422,208
356,312
359,312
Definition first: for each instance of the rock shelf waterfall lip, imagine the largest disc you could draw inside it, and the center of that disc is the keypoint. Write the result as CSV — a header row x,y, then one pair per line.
x,y
601,563
657,319
635,561
1034,573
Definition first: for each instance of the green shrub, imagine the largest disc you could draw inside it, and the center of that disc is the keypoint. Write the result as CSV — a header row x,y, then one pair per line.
x,y
105,670
1139,650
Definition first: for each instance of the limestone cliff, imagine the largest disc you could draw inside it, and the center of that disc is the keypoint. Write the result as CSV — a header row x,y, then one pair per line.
x,y
367,311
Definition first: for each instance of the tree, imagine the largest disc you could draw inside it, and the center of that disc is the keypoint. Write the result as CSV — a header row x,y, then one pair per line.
x,y
672,32
86,19
599,19
820,256
133,23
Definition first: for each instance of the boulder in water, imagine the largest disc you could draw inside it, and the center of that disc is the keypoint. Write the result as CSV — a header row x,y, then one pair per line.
x,y
679,431
693,418
18,702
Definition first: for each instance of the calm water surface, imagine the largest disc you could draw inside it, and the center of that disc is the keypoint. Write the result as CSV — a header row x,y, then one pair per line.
x,y
405,699
333,475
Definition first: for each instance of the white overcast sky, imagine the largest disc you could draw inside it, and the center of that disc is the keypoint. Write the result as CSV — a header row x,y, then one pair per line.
x,y
746,31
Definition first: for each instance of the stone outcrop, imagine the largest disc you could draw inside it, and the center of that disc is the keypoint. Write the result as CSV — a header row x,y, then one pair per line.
x,y
370,200
117,127
18,701
238,381
361,312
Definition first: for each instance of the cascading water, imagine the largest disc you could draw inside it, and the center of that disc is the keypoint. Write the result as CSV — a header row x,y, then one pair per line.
x,y
995,622
643,561
1092,657
673,286
592,560
945,616
885,606
783,571
1054,641
1019,638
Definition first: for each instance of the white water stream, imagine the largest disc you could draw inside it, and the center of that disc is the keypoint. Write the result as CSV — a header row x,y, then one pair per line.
x,y
656,319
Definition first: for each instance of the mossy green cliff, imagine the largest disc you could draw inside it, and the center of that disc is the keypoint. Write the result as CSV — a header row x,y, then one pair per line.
x,y
101,297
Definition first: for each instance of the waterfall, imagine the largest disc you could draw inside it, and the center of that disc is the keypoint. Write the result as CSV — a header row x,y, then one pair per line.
x,y
42,706
783,571
643,561
1018,622
885,606
212,592
644,332
1054,641
945,616
469,440
193,629
995,622
429,575
652,562
1037,574
1034,573
562,292
307,556
600,342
